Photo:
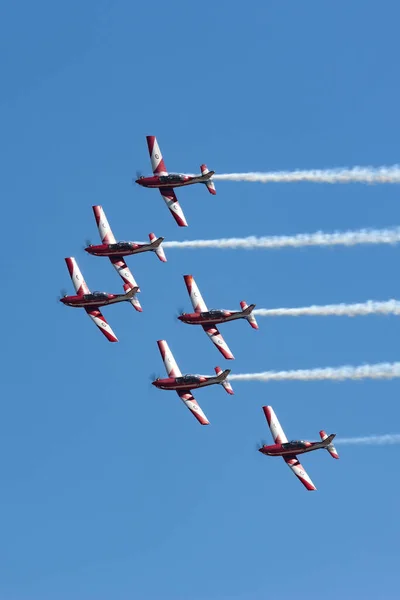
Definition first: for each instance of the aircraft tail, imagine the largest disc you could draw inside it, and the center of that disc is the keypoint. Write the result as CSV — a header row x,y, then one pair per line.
x,y
247,313
330,447
223,379
210,184
130,291
156,246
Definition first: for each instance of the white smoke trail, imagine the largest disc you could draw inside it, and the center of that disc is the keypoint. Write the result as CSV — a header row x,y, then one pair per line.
x,y
341,175
319,238
377,371
391,307
376,440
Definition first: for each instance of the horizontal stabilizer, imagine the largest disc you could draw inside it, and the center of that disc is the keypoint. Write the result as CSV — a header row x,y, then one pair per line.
x,y
330,447
248,314
223,379
130,292
156,246
130,295
210,184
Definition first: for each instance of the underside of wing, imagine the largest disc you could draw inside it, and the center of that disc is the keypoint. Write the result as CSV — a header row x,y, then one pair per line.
x,y
299,471
101,323
106,235
168,358
157,161
195,296
77,279
192,404
276,430
218,340
124,272
171,201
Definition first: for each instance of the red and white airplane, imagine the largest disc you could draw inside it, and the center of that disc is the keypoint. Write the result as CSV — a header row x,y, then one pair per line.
x,y
115,251
182,384
166,182
289,450
209,318
91,301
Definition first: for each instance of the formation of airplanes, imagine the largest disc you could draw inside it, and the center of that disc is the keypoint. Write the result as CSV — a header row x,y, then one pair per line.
x,y
208,319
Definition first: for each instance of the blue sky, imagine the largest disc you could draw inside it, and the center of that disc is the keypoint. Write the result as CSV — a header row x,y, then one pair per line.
x,y
110,488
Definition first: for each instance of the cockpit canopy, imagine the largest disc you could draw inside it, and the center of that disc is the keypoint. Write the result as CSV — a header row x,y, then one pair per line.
x,y
95,295
120,246
214,312
172,177
187,379
294,444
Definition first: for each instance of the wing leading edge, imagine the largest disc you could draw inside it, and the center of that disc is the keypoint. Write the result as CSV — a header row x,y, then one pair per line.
x,y
99,320
175,208
298,469
191,403
217,339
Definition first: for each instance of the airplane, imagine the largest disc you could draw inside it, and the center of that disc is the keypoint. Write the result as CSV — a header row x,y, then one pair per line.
x,y
288,450
91,301
115,251
183,384
209,318
165,181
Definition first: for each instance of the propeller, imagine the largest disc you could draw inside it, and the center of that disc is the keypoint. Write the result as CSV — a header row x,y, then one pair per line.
x,y
153,376
261,444
139,174
63,292
179,312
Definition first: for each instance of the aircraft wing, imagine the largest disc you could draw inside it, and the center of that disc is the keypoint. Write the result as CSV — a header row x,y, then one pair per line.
x,y
157,161
196,298
218,340
106,234
276,430
299,471
124,272
78,281
192,404
168,358
171,201
101,323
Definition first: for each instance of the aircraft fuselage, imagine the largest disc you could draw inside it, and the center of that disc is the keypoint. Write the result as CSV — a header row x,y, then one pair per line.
x,y
119,249
92,300
186,382
211,317
173,180
292,448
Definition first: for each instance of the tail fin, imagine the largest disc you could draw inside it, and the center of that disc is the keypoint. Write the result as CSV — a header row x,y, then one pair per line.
x,y
130,291
210,184
156,246
223,375
130,294
247,313
331,448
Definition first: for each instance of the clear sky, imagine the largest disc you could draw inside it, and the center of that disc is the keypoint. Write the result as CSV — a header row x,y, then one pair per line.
x,y
109,487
